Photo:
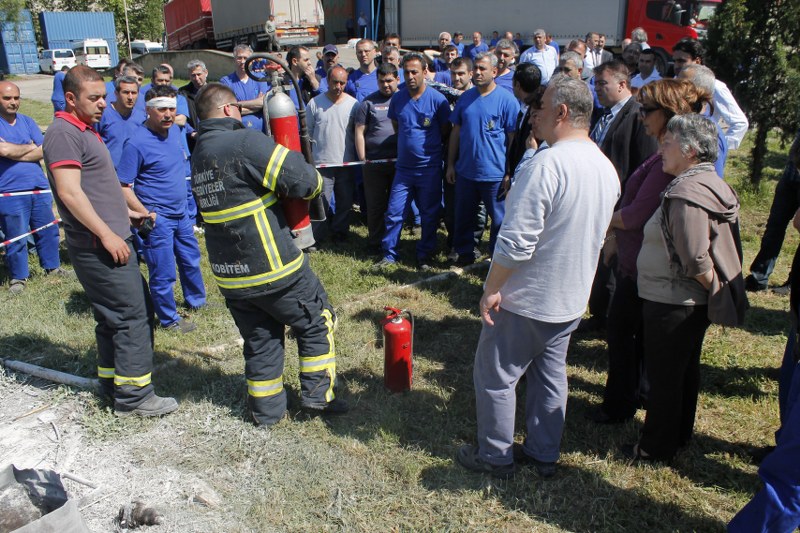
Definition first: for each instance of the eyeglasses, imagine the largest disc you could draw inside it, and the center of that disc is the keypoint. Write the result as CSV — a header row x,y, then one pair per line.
x,y
237,105
644,111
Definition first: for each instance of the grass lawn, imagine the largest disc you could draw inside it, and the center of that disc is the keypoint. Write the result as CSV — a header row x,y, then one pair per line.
x,y
388,465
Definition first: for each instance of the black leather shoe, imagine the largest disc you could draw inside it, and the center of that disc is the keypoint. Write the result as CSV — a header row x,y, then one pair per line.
x,y
337,406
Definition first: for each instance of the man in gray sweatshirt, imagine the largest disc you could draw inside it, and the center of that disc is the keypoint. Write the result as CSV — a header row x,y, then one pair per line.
x,y
557,214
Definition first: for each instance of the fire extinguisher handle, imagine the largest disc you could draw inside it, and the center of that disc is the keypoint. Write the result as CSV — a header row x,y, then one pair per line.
x,y
394,310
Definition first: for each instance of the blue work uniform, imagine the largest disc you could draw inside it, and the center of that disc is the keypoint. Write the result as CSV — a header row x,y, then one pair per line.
x,y
506,81
156,167
57,98
472,50
485,122
360,85
248,90
418,173
20,214
115,129
460,48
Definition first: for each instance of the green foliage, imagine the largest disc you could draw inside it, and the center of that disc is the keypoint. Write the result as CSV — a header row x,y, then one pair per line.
x,y
753,45
145,20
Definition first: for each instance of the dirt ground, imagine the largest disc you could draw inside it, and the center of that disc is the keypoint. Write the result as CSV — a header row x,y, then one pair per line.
x,y
41,427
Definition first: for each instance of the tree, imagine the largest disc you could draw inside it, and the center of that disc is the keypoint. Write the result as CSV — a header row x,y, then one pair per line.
x,y
754,44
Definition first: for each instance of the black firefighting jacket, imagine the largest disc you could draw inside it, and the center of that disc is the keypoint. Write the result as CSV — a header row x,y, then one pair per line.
x,y
238,178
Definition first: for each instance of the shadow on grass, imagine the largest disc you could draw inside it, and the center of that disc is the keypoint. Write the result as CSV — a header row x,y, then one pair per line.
x,y
576,499
77,303
761,321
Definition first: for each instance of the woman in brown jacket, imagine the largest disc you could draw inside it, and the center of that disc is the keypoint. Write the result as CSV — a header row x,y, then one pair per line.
x,y
687,262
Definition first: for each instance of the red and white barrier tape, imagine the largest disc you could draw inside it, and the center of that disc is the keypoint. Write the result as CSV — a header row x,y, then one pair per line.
x,y
25,235
25,193
358,163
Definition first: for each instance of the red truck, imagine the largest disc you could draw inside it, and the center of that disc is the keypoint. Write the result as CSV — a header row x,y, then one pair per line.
x,y
188,24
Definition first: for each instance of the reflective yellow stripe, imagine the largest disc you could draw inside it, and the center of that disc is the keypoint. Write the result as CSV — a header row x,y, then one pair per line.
x,y
240,211
274,167
318,362
317,190
105,373
325,362
330,324
260,279
268,241
261,389
138,381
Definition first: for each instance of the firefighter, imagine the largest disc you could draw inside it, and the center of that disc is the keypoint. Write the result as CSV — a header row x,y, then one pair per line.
x,y
239,176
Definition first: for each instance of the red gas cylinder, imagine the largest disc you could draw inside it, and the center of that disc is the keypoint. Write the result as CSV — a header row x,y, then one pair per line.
x,y
286,131
398,342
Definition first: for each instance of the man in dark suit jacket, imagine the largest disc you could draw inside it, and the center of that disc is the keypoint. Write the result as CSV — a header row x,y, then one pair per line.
x,y
621,137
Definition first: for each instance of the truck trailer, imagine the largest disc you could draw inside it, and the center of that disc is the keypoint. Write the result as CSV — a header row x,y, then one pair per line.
x,y
188,24
242,21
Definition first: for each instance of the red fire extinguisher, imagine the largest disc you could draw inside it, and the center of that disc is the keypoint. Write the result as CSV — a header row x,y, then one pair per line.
x,y
285,129
398,344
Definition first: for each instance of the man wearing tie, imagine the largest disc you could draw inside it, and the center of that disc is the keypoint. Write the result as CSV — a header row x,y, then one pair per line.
x,y
621,137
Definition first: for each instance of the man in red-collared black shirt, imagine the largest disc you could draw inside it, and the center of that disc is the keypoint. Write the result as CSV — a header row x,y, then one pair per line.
x,y
96,224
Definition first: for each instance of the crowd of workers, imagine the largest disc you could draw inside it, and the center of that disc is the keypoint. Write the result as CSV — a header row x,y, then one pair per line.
x,y
598,178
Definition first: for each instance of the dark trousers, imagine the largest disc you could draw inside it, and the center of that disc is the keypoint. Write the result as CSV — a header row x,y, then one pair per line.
x,y
123,311
603,287
625,351
784,205
377,185
673,340
304,307
468,197
338,184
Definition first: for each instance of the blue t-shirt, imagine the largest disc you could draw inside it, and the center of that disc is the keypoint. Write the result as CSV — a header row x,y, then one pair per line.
x,y
440,66
18,176
506,81
247,90
111,96
360,85
380,140
116,129
460,48
444,78
58,91
485,121
419,128
471,51
156,166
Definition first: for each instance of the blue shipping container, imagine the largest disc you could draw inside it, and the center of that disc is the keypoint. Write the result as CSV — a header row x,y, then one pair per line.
x,y
59,29
18,53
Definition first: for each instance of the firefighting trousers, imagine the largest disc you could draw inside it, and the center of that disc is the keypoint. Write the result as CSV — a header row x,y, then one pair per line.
x,y
304,307
123,311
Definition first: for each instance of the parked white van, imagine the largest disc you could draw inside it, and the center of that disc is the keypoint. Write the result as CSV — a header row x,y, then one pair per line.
x,y
92,53
51,61
140,47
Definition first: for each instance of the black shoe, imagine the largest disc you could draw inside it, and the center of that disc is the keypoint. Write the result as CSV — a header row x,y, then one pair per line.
x,y
543,468
752,285
337,406
152,406
424,264
600,416
757,454
468,457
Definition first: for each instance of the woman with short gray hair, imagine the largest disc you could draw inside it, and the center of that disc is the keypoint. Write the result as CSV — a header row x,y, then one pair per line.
x,y
689,275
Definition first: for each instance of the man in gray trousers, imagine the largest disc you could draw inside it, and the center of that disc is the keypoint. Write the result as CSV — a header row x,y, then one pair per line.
x,y
557,213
